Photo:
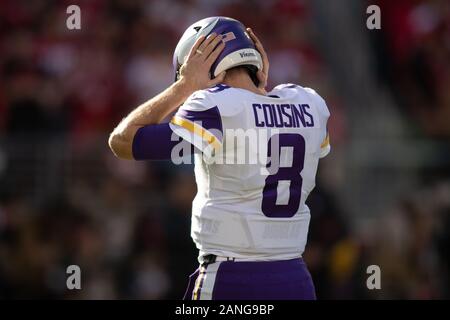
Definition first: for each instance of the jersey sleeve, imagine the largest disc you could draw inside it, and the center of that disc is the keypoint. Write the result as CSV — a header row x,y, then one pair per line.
x,y
199,122
156,142
324,114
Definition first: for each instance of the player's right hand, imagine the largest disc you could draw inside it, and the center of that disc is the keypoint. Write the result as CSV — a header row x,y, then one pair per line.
x,y
195,72
263,74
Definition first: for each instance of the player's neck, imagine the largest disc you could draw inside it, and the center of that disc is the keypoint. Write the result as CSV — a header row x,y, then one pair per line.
x,y
239,78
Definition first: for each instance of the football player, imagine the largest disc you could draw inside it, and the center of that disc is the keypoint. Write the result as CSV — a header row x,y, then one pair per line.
x,y
249,218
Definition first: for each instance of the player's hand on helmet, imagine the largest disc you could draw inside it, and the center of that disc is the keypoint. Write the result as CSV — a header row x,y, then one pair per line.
x,y
262,74
195,72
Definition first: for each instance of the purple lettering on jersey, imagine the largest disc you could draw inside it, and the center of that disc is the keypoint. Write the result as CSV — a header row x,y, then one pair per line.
x,y
258,123
298,115
282,115
278,117
293,174
287,115
310,123
268,115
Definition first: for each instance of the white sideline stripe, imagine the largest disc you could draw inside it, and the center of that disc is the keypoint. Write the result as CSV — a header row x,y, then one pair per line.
x,y
210,279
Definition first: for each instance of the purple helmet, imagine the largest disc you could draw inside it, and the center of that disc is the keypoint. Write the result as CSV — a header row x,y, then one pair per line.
x,y
239,48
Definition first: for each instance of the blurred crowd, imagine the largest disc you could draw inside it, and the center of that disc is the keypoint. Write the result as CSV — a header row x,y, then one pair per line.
x,y
415,58
65,199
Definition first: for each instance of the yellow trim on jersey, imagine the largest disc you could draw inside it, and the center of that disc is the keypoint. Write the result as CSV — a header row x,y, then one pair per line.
x,y
326,141
198,130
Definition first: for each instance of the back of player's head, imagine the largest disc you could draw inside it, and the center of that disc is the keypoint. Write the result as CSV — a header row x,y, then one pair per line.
x,y
239,48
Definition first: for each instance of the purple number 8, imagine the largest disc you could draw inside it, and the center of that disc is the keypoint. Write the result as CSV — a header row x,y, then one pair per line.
x,y
292,174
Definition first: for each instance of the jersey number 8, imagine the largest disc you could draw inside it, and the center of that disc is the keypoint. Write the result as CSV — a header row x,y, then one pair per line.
x,y
270,208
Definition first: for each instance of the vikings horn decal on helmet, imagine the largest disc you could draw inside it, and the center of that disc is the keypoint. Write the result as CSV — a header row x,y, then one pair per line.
x,y
239,48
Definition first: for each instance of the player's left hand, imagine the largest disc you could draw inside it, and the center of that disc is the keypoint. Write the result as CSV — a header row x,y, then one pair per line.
x,y
195,72
262,74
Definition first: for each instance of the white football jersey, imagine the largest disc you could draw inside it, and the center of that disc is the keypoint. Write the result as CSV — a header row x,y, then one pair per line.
x,y
257,167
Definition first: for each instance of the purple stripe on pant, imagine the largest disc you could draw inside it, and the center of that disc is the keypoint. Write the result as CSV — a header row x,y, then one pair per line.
x,y
266,280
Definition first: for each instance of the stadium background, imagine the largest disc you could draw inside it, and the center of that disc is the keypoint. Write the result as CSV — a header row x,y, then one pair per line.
x,y
382,196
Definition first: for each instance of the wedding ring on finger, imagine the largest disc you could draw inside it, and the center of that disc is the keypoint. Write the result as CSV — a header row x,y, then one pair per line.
x,y
198,51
